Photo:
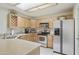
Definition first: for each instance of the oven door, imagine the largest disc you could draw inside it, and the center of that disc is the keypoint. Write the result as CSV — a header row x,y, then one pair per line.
x,y
43,40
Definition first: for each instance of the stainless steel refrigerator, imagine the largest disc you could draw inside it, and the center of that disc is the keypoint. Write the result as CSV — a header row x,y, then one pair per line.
x,y
64,41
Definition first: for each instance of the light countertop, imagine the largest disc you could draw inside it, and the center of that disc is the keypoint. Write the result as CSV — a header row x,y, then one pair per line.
x,y
16,46
20,35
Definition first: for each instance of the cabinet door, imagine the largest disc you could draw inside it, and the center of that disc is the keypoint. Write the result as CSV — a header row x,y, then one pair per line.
x,y
27,23
50,42
33,37
33,23
23,22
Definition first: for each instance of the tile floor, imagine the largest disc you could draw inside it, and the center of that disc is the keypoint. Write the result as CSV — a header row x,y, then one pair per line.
x,y
47,51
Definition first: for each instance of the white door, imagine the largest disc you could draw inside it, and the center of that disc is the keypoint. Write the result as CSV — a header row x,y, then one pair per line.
x,y
56,41
68,37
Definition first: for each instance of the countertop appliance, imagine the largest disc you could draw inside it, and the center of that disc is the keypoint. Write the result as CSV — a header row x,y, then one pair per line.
x,y
30,30
27,30
33,30
64,41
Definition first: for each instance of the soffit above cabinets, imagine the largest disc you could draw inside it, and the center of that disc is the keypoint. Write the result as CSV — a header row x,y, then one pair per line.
x,y
13,4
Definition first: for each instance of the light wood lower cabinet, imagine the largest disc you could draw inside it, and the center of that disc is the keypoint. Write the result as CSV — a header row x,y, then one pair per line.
x,y
50,41
30,37
34,38
24,37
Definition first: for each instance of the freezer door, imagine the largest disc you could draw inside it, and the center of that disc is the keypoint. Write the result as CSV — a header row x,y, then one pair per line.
x,y
56,41
68,37
56,44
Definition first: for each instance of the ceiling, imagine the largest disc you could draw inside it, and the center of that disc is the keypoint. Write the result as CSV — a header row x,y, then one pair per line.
x,y
52,8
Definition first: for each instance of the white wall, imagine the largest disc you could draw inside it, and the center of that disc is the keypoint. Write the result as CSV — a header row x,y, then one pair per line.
x,y
76,17
3,23
3,20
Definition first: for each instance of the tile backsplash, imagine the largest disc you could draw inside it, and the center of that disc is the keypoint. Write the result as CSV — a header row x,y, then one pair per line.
x,y
16,31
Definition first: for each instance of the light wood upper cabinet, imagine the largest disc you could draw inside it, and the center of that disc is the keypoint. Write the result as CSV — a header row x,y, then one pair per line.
x,y
23,22
33,23
17,21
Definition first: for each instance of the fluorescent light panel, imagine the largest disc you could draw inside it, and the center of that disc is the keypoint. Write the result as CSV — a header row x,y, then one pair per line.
x,y
42,6
27,6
